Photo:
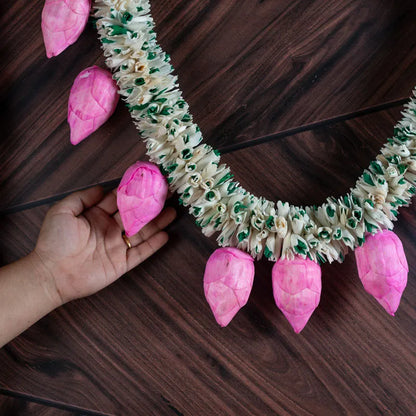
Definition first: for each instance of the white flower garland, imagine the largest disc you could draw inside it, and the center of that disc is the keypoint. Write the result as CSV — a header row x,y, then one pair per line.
x,y
144,76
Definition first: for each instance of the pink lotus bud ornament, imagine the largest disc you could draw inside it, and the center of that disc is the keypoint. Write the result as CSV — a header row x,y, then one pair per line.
x,y
297,289
92,101
141,196
62,23
383,269
228,280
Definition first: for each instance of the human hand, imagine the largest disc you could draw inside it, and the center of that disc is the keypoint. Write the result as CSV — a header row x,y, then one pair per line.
x,y
81,248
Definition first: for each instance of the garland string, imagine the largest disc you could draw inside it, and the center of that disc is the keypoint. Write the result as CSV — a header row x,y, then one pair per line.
x,y
219,203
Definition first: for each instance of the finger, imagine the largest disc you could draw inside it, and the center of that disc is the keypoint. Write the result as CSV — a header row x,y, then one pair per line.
x,y
153,227
109,202
137,255
79,201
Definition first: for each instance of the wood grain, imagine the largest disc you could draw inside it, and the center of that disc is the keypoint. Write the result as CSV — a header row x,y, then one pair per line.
x,y
248,68
11,406
148,344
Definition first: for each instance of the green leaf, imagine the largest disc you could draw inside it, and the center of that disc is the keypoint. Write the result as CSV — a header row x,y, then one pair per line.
x,y
368,179
267,253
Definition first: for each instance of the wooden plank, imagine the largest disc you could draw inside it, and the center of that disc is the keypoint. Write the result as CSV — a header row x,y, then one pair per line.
x,y
247,68
12,406
149,344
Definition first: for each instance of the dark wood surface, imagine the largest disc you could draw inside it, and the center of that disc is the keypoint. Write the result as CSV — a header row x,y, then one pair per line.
x,y
10,406
148,344
248,68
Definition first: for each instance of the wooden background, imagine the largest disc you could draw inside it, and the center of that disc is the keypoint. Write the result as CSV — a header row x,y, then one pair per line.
x,y
305,92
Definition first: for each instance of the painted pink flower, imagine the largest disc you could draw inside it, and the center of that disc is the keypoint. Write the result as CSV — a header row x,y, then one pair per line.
x,y
92,101
228,280
62,23
297,289
383,269
141,196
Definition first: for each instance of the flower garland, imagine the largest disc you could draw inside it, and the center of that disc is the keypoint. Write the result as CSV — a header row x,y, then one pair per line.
x,y
259,226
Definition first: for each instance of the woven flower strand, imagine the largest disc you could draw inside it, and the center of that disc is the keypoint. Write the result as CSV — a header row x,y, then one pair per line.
x,y
219,203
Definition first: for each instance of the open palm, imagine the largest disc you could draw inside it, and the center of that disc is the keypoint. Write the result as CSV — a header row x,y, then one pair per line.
x,y
81,245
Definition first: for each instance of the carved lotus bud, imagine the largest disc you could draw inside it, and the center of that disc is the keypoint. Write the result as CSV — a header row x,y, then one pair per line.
x,y
141,196
228,280
383,269
297,289
92,101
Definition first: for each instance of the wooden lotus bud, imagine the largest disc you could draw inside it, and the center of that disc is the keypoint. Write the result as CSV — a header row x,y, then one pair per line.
x,y
383,269
92,101
297,289
62,23
141,196
228,280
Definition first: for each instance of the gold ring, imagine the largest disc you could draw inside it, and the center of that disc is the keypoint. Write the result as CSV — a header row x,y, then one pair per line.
x,y
126,240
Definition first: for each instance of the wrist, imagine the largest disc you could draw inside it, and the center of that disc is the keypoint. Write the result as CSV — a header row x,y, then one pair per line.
x,y
45,279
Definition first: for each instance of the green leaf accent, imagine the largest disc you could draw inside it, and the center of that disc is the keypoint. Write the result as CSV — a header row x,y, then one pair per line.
x,y
225,178
400,201
166,111
337,234
151,55
105,40
117,30
370,227
320,258
139,81
270,222
186,154
376,167
361,241
153,70
186,193
209,196
402,168
367,179
369,202
267,253
239,206
243,235
358,214
231,187
129,90
139,9
126,17
330,211
117,50
186,118
324,234
197,210
347,201
352,222
140,107
145,46
171,168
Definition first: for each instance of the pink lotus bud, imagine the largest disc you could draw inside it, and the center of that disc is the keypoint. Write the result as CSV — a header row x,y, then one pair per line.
x,y
92,101
140,196
228,280
383,269
297,289
62,23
